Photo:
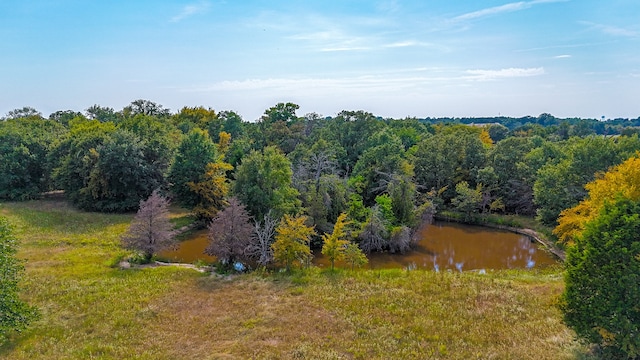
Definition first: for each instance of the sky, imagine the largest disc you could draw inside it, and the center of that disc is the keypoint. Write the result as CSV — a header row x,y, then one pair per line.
x,y
393,58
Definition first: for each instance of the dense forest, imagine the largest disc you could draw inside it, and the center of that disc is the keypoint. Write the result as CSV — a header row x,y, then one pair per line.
x,y
385,174
272,190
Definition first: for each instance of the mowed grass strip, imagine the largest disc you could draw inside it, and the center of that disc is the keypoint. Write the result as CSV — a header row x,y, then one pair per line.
x,y
93,310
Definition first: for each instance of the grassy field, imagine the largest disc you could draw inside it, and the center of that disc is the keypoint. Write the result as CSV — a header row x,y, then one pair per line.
x,y
93,310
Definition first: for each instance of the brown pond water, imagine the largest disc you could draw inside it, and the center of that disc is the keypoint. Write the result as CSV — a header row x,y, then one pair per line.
x,y
442,246
459,247
190,250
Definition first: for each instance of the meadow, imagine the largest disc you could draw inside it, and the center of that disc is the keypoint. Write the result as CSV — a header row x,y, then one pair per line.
x,y
92,309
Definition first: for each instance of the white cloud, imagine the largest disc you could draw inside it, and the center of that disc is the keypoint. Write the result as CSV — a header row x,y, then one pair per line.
x,y
388,83
510,7
611,30
190,10
344,48
485,75
564,56
407,43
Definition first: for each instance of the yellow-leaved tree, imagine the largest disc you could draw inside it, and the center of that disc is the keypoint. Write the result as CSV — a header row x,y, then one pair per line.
x,y
212,190
334,244
621,181
292,241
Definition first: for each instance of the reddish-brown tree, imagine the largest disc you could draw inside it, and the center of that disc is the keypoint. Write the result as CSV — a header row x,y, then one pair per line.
x,y
230,233
150,231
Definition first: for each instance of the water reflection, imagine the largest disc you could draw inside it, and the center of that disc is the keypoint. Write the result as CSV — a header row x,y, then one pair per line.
x,y
456,247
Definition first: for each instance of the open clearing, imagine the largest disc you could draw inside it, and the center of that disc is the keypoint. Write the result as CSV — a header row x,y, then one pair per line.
x,y
91,309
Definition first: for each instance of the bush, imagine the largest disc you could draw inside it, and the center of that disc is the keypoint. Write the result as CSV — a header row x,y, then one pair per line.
x,y
15,315
602,291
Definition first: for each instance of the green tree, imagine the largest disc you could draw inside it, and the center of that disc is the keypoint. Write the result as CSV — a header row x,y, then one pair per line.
x,y
334,244
560,185
75,157
512,183
102,114
120,174
25,112
621,180
190,165
189,118
381,161
353,131
25,144
467,200
212,190
292,241
354,256
453,155
263,183
15,315
64,117
602,291
145,107
281,127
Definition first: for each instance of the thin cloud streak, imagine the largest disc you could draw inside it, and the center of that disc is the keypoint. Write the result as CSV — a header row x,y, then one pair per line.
x,y
190,10
506,8
611,30
367,83
486,75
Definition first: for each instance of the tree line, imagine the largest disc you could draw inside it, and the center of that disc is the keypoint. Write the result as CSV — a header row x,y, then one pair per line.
x,y
383,173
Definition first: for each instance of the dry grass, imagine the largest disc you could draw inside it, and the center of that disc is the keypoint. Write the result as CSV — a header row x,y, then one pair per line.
x,y
91,310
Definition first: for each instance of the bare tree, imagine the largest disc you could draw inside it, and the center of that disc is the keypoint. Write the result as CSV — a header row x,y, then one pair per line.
x,y
401,240
150,231
263,237
374,232
230,233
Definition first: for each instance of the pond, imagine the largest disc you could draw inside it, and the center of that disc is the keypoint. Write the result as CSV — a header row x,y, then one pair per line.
x,y
442,246
459,247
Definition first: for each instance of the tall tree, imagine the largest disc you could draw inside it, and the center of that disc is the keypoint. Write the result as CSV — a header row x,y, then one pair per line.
x,y
263,183
602,291
374,234
621,180
384,159
561,185
334,244
15,314
452,155
354,256
292,241
189,166
102,113
230,234
263,236
468,200
64,117
150,231
25,144
25,112
281,127
212,190
145,107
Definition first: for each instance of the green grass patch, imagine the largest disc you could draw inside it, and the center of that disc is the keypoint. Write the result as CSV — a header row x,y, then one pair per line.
x,y
93,309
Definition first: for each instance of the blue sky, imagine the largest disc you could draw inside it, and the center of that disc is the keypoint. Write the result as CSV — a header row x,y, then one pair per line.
x,y
392,58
